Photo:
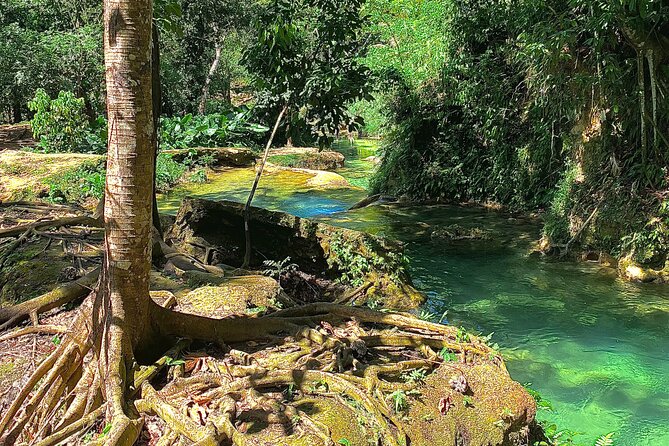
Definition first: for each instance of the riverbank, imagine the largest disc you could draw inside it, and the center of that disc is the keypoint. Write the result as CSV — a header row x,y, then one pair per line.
x,y
601,341
413,381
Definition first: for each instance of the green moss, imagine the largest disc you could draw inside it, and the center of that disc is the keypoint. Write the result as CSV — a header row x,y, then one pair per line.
x,y
30,271
292,160
494,409
230,295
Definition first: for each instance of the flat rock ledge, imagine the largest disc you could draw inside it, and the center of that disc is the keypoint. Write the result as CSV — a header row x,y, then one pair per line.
x,y
222,156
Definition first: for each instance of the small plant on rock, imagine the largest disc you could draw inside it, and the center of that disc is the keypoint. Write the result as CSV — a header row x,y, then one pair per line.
x,y
414,376
399,400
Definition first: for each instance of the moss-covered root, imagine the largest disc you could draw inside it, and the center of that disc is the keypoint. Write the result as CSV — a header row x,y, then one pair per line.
x,y
110,379
61,295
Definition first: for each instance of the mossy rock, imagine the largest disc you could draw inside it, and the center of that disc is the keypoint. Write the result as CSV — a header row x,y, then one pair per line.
x,y
307,158
494,410
221,156
31,271
341,419
230,295
215,231
327,180
388,293
635,272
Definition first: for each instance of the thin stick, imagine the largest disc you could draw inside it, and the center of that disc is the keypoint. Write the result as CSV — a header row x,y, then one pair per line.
x,y
247,208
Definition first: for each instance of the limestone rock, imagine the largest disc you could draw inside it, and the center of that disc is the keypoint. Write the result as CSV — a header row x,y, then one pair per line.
x,y
230,295
634,272
494,410
307,158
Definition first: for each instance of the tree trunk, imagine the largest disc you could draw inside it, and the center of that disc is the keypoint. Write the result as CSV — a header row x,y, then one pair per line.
x,y
156,94
247,208
641,78
212,70
123,294
650,55
130,170
16,110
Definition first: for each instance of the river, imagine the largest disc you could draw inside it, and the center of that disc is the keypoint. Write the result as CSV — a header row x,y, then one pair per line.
x,y
593,345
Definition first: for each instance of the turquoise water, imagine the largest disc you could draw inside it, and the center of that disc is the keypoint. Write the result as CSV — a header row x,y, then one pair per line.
x,y
593,345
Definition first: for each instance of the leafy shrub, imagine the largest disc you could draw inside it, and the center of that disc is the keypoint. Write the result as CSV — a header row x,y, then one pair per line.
x,y
168,172
556,225
208,130
60,124
86,181
194,160
356,261
650,244
199,176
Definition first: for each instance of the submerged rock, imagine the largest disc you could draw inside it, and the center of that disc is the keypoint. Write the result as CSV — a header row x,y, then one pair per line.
x,y
373,200
214,233
457,232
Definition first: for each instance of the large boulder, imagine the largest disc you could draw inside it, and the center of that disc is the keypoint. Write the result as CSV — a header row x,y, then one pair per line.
x,y
213,232
223,296
489,409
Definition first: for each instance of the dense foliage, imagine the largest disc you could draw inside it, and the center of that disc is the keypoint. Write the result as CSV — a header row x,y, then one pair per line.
x,y
535,104
208,130
50,44
539,103
306,58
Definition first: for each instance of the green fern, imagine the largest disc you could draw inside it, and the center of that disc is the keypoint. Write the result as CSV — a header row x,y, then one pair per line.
x,y
605,440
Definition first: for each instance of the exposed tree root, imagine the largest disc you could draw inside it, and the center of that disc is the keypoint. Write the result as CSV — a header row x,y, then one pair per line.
x,y
324,350
61,295
16,231
34,329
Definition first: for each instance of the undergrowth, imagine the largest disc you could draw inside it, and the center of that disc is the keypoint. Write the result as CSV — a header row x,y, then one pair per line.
x,y
76,185
356,261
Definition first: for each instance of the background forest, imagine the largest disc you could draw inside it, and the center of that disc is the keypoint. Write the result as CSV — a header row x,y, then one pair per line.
x,y
547,105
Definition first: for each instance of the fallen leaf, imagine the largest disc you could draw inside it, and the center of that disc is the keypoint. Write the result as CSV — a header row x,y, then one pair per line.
x,y
445,405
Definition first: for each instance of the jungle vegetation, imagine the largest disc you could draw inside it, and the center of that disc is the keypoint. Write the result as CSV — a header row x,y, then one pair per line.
x,y
534,104
537,105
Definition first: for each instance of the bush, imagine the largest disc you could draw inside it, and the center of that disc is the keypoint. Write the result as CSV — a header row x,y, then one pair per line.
x,y
61,125
168,172
86,181
208,130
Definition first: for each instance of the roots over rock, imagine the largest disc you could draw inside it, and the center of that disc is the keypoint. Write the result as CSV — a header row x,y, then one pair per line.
x,y
261,364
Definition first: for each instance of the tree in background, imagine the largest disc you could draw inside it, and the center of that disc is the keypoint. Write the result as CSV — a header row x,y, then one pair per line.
x,y
54,45
201,60
306,57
